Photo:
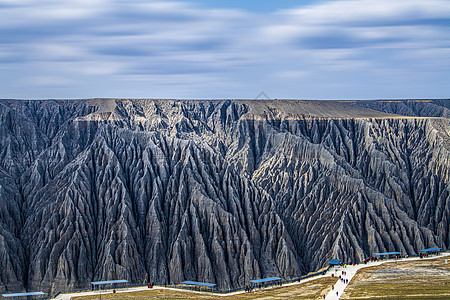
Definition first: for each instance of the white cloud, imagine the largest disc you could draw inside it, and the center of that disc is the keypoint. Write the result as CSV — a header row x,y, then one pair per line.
x,y
291,75
369,11
47,81
158,40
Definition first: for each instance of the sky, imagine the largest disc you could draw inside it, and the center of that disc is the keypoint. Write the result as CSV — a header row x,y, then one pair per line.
x,y
225,49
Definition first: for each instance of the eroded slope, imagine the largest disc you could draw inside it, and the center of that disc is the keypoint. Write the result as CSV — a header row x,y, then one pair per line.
x,y
215,191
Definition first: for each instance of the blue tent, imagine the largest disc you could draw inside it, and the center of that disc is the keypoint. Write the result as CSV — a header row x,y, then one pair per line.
x,y
23,294
334,262
199,283
265,280
387,253
434,249
108,282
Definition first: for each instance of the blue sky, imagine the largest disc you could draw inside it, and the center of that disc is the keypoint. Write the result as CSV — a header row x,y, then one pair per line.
x,y
255,5
341,49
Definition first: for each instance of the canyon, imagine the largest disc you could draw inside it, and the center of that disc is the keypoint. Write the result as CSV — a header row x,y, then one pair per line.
x,y
221,191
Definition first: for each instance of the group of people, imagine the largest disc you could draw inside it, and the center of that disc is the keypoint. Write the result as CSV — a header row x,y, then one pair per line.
x,y
248,288
344,280
369,259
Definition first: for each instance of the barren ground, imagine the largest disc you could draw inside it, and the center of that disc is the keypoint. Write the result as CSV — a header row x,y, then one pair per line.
x,y
310,290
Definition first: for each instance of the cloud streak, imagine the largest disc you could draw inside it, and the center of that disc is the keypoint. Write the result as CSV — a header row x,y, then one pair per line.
x,y
325,45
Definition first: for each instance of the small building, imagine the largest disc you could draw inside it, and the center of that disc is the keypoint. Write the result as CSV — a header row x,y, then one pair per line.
x,y
265,282
429,251
27,295
109,283
334,262
201,286
388,255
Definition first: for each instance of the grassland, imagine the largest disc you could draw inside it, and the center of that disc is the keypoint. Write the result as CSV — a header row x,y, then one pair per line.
x,y
310,290
422,279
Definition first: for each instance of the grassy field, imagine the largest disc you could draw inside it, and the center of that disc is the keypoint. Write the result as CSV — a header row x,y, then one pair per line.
x,y
310,290
422,279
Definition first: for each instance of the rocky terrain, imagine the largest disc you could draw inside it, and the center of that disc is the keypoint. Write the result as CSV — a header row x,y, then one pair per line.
x,y
214,191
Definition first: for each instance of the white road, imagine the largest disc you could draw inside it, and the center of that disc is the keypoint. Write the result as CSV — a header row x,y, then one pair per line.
x,y
339,287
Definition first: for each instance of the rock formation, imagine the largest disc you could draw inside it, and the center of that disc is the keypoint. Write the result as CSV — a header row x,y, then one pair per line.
x,y
214,191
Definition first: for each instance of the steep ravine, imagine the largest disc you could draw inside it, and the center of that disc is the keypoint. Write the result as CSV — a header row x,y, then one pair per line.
x,y
215,191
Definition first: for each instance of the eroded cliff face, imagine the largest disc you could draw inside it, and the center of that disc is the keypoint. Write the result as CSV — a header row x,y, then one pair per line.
x,y
213,191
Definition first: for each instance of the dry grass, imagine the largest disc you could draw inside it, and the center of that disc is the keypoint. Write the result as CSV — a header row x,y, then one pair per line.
x,y
423,279
314,289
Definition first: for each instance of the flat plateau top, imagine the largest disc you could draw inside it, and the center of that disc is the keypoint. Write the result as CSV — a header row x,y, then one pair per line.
x,y
311,108
268,109
106,108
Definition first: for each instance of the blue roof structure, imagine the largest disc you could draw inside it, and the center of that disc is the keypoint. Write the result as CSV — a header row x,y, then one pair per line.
x,y
23,294
431,249
108,282
387,253
265,280
334,262
199,283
